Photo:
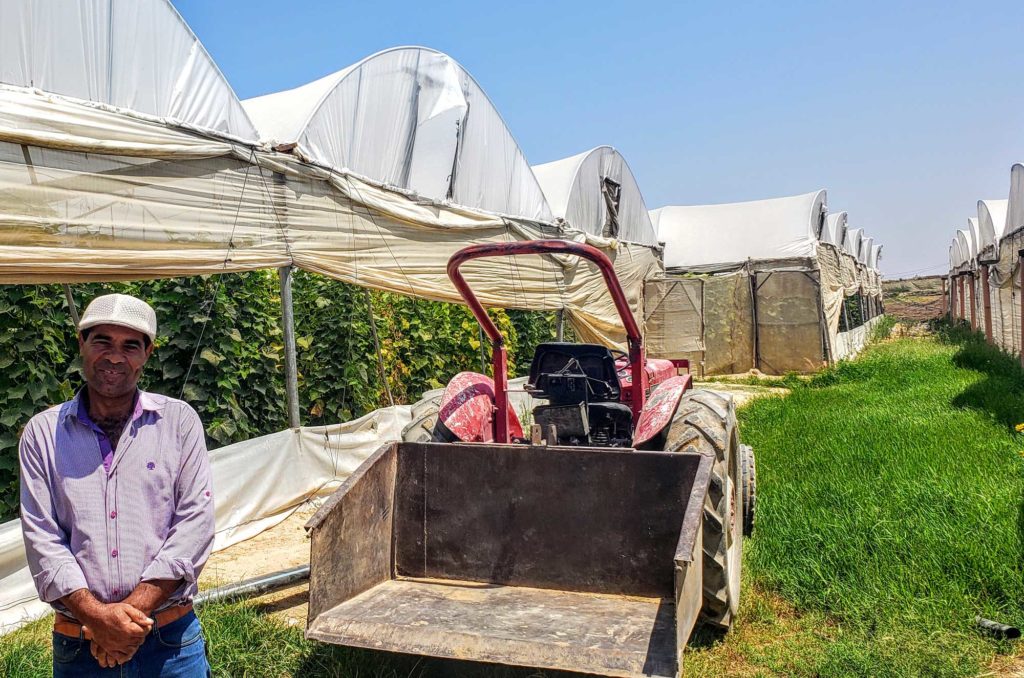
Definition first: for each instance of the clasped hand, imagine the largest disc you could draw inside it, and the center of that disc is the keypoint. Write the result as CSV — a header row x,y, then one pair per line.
x,y
117,632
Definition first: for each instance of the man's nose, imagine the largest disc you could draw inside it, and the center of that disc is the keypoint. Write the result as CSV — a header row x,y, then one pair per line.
x,y
114,356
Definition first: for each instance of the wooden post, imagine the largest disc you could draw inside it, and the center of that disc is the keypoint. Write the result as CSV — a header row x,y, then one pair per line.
x,y
944,300
987,299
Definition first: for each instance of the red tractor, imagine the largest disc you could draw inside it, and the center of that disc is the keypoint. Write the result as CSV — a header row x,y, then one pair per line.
x,y
593,540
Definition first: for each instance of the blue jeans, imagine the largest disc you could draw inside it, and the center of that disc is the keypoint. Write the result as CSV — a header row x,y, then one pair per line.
x,y
174,651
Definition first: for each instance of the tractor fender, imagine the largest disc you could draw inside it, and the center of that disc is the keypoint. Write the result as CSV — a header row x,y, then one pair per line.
x,y
660,408
467,408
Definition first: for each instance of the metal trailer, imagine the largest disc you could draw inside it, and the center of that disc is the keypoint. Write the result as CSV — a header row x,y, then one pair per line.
x,y
574,550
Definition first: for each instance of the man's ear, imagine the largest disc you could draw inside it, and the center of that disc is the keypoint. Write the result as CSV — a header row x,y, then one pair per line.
x,y
149,349
81,342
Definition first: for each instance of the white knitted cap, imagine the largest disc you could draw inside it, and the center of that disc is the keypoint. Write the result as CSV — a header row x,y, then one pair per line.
x,y
120,309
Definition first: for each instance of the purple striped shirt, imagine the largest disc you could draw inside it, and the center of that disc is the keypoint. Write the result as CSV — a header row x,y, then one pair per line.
x,y
149,517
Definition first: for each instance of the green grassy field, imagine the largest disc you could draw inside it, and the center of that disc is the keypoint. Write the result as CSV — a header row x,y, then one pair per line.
x,y
890,514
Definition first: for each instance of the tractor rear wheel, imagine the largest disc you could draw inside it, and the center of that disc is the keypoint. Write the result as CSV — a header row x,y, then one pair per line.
x,y
705,423
424,418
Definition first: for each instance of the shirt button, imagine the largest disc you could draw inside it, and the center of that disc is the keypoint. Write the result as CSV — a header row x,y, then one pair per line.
x,y
113,514
113,554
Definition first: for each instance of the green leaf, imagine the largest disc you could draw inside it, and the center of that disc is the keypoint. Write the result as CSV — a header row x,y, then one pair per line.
x,y
10,418
172,370
211,356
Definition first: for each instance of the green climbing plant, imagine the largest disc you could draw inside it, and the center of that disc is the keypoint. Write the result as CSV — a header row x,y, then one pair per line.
x,y
223,334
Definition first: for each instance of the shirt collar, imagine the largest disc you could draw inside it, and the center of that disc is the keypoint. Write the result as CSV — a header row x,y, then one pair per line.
x,y
144,402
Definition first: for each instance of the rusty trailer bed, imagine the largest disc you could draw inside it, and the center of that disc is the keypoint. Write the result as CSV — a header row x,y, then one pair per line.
x,y
580,559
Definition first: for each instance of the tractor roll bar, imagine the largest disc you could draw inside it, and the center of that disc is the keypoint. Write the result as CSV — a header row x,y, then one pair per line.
x,y
500,357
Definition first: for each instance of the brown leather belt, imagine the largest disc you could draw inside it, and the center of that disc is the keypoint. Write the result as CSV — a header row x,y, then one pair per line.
x,y
67,626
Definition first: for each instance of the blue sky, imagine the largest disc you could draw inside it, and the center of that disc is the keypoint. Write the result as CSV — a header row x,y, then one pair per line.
x,y
907,113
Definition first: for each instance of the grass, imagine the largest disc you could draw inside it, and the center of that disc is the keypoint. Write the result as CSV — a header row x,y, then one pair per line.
x,y
891,503
889,516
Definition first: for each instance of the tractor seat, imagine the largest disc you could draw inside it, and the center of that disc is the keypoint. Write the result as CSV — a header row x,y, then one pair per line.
x,y
568,373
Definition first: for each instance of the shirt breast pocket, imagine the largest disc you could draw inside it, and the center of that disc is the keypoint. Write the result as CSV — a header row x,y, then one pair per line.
x,y
156,466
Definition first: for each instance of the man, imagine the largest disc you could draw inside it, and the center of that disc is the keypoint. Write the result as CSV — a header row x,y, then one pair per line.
x,y
116,509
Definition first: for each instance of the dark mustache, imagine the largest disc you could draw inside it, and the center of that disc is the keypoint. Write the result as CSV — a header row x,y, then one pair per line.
x,y
111,367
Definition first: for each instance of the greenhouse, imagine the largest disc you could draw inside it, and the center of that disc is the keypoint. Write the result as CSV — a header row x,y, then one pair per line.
x,y
108,175
985,267
771,291
596,192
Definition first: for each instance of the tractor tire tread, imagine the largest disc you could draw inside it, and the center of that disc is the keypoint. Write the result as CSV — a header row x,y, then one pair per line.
x,y
705,423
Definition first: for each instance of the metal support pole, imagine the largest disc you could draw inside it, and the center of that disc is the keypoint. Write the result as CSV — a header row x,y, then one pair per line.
x,y
974,301
291,370
987,300
376,345
1020,268
72,309
753,313
960,293
952,297
944,300
560,329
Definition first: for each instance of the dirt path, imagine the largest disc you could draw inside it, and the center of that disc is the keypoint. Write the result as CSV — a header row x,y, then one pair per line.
x,y
279,548
743,393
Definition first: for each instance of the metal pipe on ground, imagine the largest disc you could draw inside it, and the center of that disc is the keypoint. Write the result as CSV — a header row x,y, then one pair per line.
x,y
256,586
996,629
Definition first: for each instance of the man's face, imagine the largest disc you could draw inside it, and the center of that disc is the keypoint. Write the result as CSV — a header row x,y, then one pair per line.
x,y
112,359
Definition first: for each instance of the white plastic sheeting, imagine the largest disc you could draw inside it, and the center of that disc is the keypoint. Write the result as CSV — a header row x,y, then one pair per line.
x,y
76,205
964,240
876,257
1015,204
849,343
991,227
580,190
701,236
411,118
137,55
302,463
973,237
835,228
864,256
851,244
